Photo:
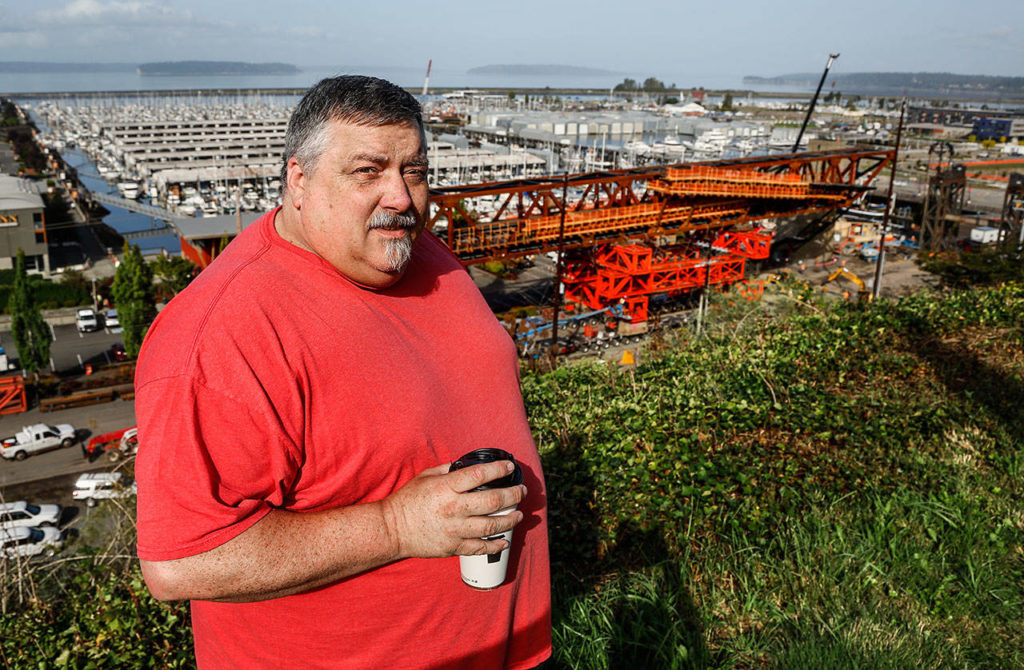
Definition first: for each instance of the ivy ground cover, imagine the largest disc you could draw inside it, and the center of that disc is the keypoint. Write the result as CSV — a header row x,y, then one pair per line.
x,y
809,485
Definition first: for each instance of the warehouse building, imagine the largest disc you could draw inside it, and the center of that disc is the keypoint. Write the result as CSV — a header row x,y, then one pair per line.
x,y
21,224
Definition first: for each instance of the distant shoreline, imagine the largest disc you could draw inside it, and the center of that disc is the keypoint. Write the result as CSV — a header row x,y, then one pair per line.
x,y
944,96
204,68
439,90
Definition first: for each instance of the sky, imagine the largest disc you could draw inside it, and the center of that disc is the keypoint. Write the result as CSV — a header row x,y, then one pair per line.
x,y
666,39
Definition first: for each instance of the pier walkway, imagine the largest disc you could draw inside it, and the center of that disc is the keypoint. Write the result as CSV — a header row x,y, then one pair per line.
x,y
150,232
137,207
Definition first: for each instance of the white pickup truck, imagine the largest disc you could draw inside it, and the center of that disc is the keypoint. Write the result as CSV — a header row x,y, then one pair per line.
x,y
35,438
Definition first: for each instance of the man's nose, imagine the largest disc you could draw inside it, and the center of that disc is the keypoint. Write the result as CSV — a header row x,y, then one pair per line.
x,y
396,196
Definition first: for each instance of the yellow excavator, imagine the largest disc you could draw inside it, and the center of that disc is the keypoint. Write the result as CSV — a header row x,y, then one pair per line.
x,y
862,291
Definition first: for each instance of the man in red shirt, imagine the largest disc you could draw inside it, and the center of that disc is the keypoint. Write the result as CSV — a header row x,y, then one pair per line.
x,y
299,405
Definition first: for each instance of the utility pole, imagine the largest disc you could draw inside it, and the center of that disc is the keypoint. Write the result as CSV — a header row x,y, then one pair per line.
x,y
890,201
558,262
702,306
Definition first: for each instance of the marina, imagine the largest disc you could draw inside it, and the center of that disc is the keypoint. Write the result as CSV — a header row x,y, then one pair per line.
x,y
159,158
213,155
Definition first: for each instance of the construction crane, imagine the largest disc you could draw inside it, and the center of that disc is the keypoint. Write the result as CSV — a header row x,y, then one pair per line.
x,y
814,101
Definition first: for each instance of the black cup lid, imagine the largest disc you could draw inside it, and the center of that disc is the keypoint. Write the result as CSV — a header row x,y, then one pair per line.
x,y
515,478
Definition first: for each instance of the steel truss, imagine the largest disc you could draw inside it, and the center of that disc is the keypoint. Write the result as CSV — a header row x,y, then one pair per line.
x,y
645,203
943,202
703,214
631,273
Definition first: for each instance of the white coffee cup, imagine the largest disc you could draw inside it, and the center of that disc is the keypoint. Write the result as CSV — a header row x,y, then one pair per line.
x,y
488,571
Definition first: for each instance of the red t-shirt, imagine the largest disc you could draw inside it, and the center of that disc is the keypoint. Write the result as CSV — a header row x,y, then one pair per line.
x,y
275,382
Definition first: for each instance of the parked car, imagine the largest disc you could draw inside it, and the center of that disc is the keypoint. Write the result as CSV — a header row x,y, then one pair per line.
x,y
117,352
35,438
93,486
111,321
21,513
86,320
23,541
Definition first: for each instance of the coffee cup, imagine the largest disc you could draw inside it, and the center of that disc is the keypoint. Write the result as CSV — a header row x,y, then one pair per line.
x,y
488,571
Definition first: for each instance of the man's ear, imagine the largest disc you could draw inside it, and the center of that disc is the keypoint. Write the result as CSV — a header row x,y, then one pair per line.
x,y
295,181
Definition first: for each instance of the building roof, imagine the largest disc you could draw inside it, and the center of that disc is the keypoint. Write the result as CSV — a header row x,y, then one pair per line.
x,y
206,227
17,193
687,108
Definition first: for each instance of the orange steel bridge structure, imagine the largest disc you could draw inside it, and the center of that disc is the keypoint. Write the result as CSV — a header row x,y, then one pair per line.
x,y
629,234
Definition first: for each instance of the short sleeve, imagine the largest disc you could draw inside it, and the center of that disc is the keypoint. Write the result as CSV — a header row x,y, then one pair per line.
x,y
209,466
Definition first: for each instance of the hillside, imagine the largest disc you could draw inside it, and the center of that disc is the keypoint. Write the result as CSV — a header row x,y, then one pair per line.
x,y
899,83
41,67
807,485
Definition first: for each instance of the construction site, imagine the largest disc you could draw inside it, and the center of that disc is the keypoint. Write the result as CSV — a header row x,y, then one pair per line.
x,y
624,247
572,259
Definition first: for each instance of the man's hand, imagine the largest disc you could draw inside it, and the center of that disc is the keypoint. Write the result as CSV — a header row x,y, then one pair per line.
x,y
438,514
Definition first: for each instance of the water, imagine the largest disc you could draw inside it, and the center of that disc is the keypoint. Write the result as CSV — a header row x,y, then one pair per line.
x,y
404,76
121,220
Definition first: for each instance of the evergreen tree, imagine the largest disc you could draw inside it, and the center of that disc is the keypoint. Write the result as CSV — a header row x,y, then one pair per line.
x,y
31,334
132,291
174,272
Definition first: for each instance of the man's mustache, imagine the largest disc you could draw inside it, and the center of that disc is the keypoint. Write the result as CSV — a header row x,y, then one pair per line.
x,y
391,221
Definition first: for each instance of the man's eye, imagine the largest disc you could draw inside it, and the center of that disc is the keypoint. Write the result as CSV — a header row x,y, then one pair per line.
x,y
418,173
368,169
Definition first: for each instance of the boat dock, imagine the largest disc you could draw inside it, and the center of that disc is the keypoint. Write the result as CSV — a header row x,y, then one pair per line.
x,y
147,147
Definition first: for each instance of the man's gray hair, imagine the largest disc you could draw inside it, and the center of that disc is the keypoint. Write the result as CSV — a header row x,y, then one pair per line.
x,y
349,98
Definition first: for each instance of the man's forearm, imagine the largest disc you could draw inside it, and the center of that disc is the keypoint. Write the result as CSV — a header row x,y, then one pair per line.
x,y
435,514
283,553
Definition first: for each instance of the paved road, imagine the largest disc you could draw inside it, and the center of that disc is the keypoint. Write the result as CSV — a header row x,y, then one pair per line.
x,y
91,420
71,350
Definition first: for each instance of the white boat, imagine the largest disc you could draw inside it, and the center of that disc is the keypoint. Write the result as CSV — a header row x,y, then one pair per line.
x,y
129,189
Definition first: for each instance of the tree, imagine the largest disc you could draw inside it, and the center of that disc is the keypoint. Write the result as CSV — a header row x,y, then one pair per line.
x,y
31,334
174,272
626,85
727,102
653,85
132,291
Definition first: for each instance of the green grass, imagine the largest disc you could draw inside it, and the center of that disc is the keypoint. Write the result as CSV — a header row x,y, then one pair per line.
x,y
894,581
835,487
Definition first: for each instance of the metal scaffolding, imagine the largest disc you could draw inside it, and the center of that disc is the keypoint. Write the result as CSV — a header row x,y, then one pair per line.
x,y
943,202
1011,225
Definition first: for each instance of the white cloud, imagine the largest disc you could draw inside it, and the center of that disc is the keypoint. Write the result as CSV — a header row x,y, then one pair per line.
x,y
23,39
93,12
